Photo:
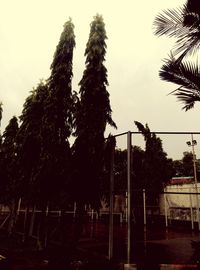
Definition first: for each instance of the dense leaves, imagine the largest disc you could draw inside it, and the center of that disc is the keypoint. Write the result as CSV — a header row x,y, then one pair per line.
x,y
57,118
184,24
29,141
157,168
187,76
9,172
93,113
185,166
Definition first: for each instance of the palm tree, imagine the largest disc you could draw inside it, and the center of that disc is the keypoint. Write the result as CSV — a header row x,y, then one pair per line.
x,y
182,23
187,76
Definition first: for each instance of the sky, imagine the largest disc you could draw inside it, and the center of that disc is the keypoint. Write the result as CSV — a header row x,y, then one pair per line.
x,y
30,31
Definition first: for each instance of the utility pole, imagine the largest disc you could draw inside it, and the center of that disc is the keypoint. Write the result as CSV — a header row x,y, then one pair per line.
x,y
192,143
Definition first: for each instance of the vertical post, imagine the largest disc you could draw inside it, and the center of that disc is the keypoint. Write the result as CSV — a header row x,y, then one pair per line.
x,y
191,212
110,251
47,210
165,203
129,194
32,221
46,224
19,206
126,202
144,206
74,215
195,181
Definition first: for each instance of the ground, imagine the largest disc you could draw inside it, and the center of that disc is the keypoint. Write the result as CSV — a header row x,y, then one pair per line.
x,y
158,247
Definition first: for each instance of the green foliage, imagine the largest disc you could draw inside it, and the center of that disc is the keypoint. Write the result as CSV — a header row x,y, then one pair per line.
x,y
137,161
185,166
1,110
57,120
93,113
29,141
9,172
187,76
44,152
182,23
157,169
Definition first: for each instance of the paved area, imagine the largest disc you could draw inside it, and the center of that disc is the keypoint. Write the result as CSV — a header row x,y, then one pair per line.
x,y
156,247
161,267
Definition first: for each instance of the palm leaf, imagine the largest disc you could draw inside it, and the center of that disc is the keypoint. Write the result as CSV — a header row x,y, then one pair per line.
x,y
182,24
189,43
188,97
169,23
187,76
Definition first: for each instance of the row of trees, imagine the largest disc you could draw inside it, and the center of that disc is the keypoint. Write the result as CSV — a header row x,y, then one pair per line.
x,y
37,162
151,169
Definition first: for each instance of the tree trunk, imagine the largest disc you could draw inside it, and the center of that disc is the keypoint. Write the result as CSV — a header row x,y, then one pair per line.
x,y
42,229
63,232
26,224
32,220
13,217
78,223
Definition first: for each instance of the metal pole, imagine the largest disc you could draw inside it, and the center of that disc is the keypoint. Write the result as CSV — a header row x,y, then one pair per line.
x,y
144,206
19,205
32,221
129,194
195,181
191,212
126,213
74,215
165,203
110,246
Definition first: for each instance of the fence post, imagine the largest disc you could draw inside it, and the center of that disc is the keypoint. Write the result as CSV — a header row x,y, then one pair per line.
x,y
165,204
74,215
191,211
32,221
110,247
144,206
19,206
129,194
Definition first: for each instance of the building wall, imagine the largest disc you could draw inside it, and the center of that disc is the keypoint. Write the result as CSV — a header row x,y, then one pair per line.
x,y
180,206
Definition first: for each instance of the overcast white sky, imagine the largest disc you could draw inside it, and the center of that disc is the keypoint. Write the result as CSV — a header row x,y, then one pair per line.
x,y
30,31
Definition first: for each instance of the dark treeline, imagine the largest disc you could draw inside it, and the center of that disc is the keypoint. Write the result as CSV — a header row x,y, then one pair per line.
x,y
37,163
39,167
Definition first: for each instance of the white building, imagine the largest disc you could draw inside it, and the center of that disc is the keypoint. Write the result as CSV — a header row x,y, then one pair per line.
x,y
180,201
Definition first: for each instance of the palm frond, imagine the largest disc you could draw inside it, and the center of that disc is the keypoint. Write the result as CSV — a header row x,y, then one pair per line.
x,y
188,43
182,24
185,74
169,23
188,97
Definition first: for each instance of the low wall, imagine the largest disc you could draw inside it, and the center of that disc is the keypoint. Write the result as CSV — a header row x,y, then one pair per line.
x,y
180,206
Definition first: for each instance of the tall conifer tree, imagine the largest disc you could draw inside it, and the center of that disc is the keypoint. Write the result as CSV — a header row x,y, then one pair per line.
x,y
29,142
92,115
9,153
57,119
1,110
10,191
